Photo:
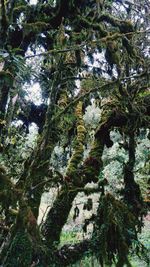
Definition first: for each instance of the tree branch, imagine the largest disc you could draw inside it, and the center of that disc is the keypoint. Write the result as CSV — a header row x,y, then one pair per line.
x,y
81,46
70,254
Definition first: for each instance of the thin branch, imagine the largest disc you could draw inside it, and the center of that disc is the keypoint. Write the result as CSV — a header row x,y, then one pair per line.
x,y
79,47
47,181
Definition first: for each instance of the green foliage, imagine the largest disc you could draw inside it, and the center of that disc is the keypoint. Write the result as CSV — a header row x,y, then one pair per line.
x,y
114,231
20,252
68,237
18,148
92,53
6,77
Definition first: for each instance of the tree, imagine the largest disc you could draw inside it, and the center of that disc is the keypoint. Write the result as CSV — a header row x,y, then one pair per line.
x,y
103,45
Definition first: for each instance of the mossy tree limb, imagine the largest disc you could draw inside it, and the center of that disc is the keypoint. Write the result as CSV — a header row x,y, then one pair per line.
x,y
132,192
79,144
63,203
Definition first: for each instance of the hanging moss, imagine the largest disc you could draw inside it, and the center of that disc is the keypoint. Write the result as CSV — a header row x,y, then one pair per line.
x,y
84,22
115,229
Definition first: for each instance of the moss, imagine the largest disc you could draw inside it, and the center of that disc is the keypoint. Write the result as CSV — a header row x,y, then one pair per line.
x,y
84,22
7,196
19,9
20,251
97,149
6,76
93,163
35,27
112,54
81,131
78,148
115,229
92,168
124,26
63,99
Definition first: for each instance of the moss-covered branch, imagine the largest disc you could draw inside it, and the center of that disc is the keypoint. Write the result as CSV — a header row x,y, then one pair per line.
x,y
124,26
104,86
78,148
89,172
132,193
63,203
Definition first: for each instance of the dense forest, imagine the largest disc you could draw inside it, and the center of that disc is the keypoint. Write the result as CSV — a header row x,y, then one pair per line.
x,y
74,118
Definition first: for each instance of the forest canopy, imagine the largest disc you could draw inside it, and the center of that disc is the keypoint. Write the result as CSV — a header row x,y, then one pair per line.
x,y
74,117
